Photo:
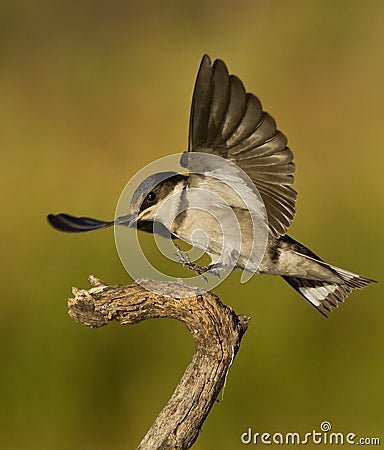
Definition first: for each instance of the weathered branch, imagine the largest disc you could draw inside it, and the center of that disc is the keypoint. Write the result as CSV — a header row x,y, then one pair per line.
x,y
215,328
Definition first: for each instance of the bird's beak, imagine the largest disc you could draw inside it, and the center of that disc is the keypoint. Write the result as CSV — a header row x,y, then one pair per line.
x,y
130,220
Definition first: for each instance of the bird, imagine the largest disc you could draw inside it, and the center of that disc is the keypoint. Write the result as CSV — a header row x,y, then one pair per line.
x,y
232,136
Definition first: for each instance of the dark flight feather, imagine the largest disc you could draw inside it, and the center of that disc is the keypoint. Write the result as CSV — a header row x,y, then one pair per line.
x,y
228,122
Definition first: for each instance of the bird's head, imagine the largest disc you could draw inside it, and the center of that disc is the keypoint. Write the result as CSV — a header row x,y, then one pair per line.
x,y
149,197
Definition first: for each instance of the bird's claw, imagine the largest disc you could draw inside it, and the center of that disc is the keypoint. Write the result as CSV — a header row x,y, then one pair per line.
x,y
182,257
215,269
186,262
212,269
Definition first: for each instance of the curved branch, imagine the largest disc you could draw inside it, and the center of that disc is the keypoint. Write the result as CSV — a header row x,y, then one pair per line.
x,y
215,328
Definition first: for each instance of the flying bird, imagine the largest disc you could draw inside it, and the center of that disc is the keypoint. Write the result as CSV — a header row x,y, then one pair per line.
x,y
228,122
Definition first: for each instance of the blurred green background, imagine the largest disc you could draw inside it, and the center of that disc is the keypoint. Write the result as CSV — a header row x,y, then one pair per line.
x,y
90,93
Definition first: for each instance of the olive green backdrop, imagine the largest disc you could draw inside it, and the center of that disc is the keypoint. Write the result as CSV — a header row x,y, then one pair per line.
x,y
90,92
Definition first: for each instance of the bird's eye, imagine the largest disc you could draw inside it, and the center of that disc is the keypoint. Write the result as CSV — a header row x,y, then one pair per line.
x,y
151,196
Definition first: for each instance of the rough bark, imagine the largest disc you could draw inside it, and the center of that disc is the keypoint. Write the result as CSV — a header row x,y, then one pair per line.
x,y
216,331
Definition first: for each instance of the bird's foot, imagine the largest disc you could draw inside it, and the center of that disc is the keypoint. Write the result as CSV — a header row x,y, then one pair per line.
x,y
199,270
182,257
186,262
212,269
215,269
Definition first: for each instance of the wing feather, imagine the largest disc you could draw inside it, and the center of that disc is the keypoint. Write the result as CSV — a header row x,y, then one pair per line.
x,y
228,122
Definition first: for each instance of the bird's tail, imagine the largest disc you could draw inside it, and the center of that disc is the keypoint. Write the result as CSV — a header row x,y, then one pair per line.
x,y
327,295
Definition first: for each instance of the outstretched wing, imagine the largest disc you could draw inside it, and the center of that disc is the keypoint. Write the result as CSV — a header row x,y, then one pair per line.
x,y
228,122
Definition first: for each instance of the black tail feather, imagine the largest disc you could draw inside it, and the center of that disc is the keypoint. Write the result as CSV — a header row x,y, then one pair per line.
x,y
326,296
72,224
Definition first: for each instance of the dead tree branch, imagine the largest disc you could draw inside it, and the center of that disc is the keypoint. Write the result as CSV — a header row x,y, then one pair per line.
x,y
215,328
